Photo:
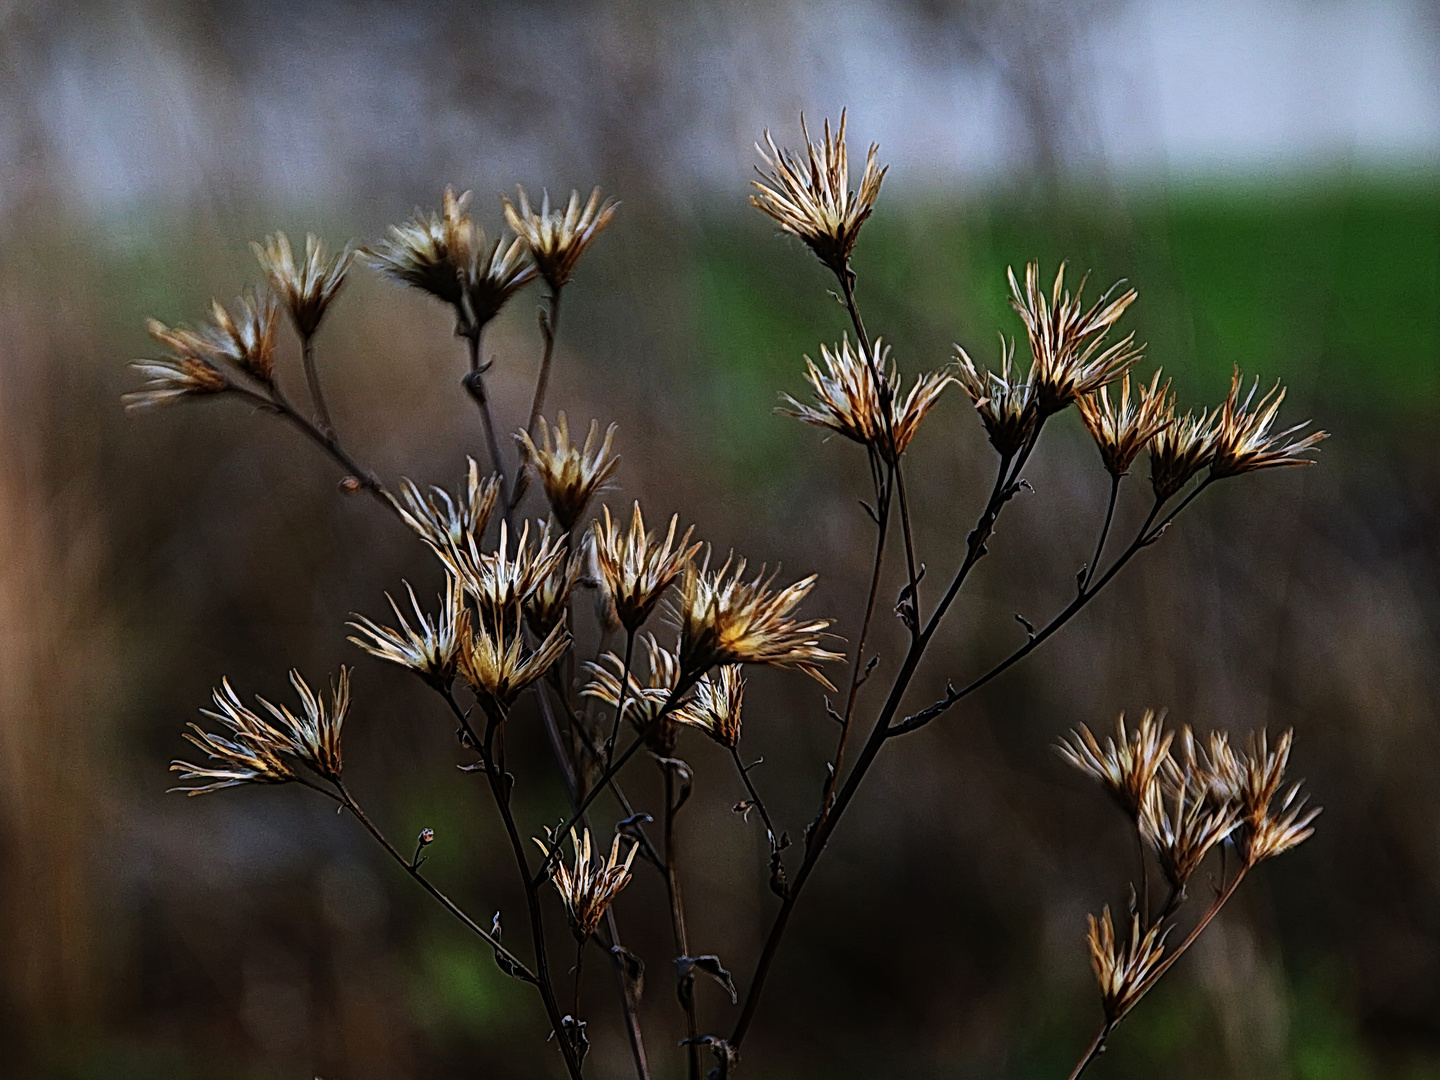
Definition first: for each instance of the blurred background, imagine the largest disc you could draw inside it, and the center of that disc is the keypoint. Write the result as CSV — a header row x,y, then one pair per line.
x,y
1264,172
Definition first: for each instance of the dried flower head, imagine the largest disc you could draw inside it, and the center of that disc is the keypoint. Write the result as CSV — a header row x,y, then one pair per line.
x,y
590,887
1126,972
253,754
636,568
547,604
811,198
571,474
1268,832
714,706
1066,340
1180,450
448,522
417,253
1005,402
643,701
1122,431
557,239
247,338
1128,765
727,620
849,401
501,581
185,372
1243,440
495,660
1180,820
308,288
431,647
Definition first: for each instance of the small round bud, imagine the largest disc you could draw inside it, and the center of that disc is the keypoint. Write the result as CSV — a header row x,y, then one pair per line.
x,y
427,837
349,485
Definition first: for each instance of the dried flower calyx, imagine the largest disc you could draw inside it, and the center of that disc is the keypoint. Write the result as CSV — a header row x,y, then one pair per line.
x,y
715,703
571,474
431,647
498,664
811,197
1005,402
635,567
257,749
1122,430
1243,439
309,286
591,885
1124,970
556,239
445,522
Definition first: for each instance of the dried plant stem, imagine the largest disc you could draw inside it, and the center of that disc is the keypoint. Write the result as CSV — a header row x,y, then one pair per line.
x,y
1104,531
345,799
579,968
278,404
1096,1048
686,986
312,379
549,327
609,748
755,799
474,383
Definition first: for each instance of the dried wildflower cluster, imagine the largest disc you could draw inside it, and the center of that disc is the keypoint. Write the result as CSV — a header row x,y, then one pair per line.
x,y
1187,798
620,640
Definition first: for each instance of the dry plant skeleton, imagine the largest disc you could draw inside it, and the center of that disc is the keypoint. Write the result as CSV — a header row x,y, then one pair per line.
x,y
502,634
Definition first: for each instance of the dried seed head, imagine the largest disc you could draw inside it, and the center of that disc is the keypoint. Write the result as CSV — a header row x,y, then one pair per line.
x,y
1124,972
1179,817
571,474
1066,340
546,606
246,339
501,581
1005,402
714,707
811,198
636,568
849,401
1180,450
308,288
1128,765
1243,441
418,253
557,239
590,887
1122,431
253,754
1269,832
497,664
184,373
431,647
643,701
445,522
727,620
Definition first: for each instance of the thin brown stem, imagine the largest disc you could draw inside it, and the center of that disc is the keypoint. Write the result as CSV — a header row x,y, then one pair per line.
x,y
755,799
1104,532
474,383
609,748
549,327
686,986
312,380
1096,1048
579,968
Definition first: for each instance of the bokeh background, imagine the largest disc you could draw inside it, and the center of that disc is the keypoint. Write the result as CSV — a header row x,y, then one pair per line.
x,y
1263,171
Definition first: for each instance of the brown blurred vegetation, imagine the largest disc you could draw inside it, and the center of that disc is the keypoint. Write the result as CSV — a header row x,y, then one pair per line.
x,y
254,934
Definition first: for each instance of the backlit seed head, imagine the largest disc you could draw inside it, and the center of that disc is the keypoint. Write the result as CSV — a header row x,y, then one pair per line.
x,y
547,604
714,705
1180,450
635,567
643,701
501,581
1243,440
1128,765
811,197
590,886
246,339
1067,341
496,662
1006,402
727,620
1122,431
1124,971
446,522
1269,831
418,253
309,286
185,373
1180,819
570,473
431,647
556,239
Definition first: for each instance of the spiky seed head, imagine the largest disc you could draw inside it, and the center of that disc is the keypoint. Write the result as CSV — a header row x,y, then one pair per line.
x,y
431,647
1180,450
186,372
571,473
635,567
547,604
591,885
307,287
496,662
556,239
851,401
1127,765
811,197
245,338
417,252
1180,819
1122,430
449,523
1124,971
645,701
714,705
1243,439
725,619
1269,831
1006,402
501,581
254,751
1067,340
